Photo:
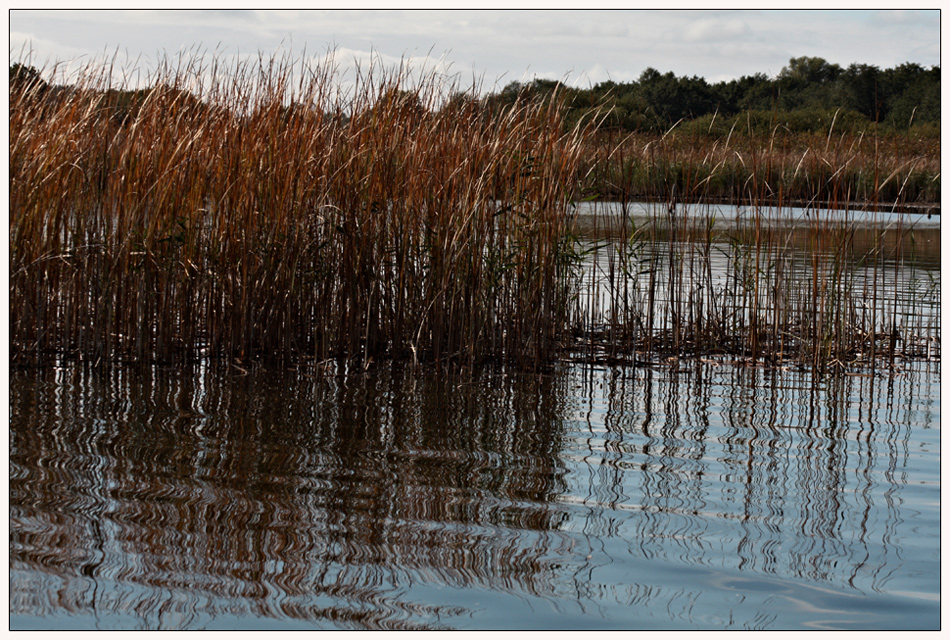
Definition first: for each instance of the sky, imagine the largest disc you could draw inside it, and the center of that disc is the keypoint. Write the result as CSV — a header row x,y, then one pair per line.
x,y
488,48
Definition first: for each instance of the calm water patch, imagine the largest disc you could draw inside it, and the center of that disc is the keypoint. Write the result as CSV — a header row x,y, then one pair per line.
x,y
701,494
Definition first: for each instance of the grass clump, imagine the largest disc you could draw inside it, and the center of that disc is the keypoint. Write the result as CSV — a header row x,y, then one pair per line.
x,y
257,210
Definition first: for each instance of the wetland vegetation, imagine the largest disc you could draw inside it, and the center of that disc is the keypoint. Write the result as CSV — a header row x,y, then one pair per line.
x,y
405,357
259,211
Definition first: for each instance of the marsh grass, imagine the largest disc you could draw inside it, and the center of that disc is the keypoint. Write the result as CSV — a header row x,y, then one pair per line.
x,y
741,164
258,211
259,217
832,292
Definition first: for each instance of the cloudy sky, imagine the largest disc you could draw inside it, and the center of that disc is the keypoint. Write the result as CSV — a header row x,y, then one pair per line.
x,y
495,46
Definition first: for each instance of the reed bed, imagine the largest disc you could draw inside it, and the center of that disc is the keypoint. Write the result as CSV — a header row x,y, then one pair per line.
x,y
258,211
735,164
835,291
829,292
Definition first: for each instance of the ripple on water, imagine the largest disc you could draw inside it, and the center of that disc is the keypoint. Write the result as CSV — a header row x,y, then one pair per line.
x,y
722,497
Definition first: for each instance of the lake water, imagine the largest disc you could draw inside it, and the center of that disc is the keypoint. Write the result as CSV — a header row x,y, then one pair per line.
x,y
651,269
701,494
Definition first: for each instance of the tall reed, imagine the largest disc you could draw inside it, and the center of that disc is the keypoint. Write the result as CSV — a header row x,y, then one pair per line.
x,y
827,290
257,210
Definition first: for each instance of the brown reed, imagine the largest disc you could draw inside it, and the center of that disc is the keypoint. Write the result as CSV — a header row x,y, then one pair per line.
x,y
884,169
809,293
258,217
260,211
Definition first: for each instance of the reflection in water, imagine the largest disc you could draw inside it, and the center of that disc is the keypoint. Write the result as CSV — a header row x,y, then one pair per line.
x,y
707,495
278,495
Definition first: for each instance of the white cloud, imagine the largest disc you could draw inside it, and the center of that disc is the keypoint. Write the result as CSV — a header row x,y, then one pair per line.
x,y
715,29
902,16
581,47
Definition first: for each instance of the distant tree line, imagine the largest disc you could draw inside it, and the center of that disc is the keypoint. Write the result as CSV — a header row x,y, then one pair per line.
x,y
805,95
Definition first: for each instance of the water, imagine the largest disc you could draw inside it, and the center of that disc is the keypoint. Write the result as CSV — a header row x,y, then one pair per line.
x,y
683,495
884,272
727,216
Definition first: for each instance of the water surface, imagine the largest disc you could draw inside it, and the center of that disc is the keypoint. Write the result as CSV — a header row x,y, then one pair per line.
x,y
682,495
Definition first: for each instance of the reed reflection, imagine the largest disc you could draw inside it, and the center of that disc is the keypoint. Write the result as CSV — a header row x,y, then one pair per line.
x,y
752,469
189,496
700,493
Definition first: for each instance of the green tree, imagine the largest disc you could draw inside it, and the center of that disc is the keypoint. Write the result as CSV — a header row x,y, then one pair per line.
x,y
670,99
23,77
806,82
912,94
806,70
860,90
747,92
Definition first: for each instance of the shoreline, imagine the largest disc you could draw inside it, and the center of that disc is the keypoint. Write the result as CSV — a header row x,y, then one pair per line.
x,y
928,209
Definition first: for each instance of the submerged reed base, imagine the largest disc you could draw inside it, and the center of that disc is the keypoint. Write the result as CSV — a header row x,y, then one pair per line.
x,y
827,290
257,212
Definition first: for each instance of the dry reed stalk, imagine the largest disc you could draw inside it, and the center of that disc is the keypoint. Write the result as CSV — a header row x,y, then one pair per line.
x,y
255,211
